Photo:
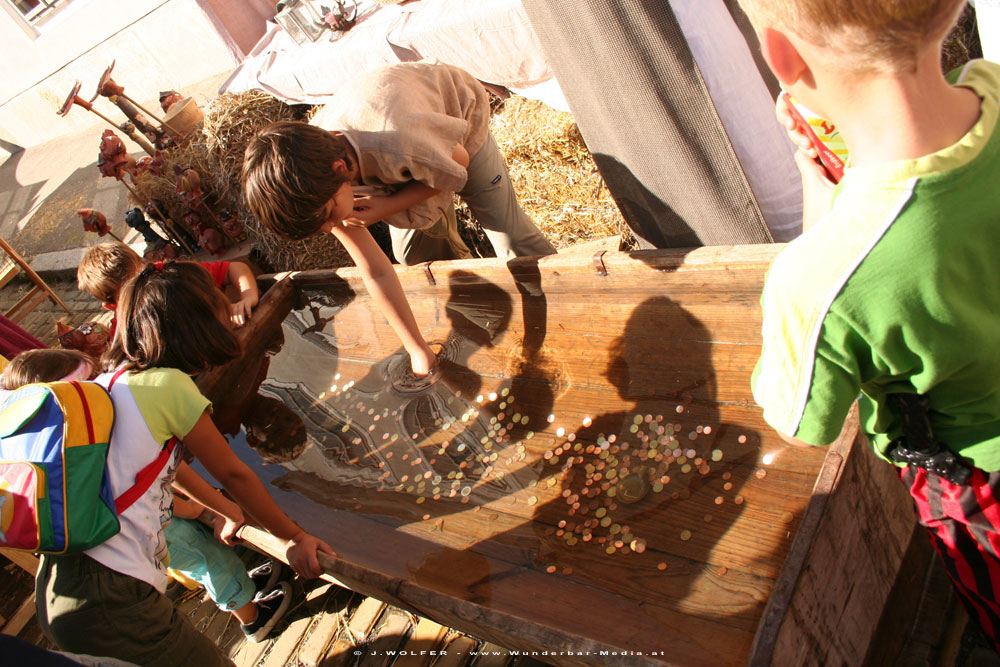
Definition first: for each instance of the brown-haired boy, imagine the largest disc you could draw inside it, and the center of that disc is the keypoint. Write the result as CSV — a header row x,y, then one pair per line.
x,y
414,132
107,266
893,294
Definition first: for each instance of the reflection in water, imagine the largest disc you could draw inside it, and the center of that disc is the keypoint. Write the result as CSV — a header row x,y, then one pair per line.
x,y
521,455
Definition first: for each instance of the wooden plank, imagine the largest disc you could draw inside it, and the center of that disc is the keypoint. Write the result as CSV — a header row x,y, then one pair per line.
x,y
518,497
216,630
458,652
249,653
27,561
286,644
491,655
383,647
25,612
27,303
190,602
424,644
35,278
204,614
361,622
8,271
364,618
839,599
326,628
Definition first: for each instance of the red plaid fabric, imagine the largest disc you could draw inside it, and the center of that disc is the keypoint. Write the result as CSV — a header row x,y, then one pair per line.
x,y
964,526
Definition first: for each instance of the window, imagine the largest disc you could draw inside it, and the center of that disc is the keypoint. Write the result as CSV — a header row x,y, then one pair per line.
x,y
36,11
30,14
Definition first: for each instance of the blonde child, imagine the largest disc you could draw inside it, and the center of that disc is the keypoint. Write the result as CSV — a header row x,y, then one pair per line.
x,y
109,600
105,267
893,293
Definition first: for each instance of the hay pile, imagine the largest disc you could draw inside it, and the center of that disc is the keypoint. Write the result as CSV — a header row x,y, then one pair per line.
x,y
230,122
554,174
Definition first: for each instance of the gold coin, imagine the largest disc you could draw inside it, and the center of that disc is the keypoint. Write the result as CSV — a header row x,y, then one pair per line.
x,y
685,535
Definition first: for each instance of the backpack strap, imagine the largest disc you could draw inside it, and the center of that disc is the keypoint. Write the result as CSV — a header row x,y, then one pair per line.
x,y
145,477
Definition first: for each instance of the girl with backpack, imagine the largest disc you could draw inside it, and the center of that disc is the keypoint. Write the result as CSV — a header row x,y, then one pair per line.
x,y
108,600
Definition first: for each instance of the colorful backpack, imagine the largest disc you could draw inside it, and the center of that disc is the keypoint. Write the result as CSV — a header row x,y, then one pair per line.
x,y
55,493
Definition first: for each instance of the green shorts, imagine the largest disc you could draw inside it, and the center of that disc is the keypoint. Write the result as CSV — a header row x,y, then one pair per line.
x,y
85,607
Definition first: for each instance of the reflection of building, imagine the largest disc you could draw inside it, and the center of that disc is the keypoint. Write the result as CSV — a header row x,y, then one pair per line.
x,y
157,45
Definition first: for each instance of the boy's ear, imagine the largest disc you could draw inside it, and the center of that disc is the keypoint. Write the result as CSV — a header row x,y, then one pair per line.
x,y
782,56
340,168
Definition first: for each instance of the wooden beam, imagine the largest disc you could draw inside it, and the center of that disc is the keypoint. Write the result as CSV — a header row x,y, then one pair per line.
x,y
25,612
26,560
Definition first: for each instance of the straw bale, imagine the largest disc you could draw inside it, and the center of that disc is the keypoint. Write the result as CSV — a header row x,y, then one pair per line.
x,y
554,174
216,153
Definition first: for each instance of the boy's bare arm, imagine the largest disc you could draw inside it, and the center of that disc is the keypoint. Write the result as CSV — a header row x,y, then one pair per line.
x,y
370,209
383,284
186,509
239,274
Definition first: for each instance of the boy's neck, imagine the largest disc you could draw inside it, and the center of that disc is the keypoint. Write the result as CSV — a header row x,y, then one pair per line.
x,y
886,118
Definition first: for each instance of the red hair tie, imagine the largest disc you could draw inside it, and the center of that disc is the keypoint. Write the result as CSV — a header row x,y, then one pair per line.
x,y
157,266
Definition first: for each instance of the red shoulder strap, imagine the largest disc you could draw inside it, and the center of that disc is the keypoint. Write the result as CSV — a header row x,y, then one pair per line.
x,y
145,477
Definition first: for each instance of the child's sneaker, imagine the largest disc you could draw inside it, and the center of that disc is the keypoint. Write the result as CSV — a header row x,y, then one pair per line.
x,y
271,606
265,577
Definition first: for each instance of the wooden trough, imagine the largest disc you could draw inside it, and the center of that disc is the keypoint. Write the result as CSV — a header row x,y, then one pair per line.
x,y
588,480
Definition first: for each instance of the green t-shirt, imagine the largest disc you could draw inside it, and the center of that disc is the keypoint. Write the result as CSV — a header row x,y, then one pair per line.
x,y
896,289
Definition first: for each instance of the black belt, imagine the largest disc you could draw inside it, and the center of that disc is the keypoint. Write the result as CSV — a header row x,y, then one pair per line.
x,y
917,446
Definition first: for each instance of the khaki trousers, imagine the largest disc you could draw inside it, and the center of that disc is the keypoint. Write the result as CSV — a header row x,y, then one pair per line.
x,y
85,607
491,198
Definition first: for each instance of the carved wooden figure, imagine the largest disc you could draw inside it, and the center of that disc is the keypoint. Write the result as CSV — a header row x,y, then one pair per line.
x,y
74,99
116,93
94,221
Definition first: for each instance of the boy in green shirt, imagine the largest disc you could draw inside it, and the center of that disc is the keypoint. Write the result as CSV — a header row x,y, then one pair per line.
x,y
894,289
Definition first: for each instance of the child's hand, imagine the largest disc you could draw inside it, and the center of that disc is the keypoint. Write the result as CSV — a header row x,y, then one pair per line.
x,y
367,211
423,362
241,310
301,551
226,527
798,138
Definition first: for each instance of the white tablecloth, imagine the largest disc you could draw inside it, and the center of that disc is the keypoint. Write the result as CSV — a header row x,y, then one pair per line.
x,y
491,39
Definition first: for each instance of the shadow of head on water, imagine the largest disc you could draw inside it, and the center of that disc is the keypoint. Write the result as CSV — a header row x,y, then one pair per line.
x,y
653,487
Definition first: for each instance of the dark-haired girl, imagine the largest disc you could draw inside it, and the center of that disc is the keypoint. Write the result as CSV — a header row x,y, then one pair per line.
x,y
172,323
